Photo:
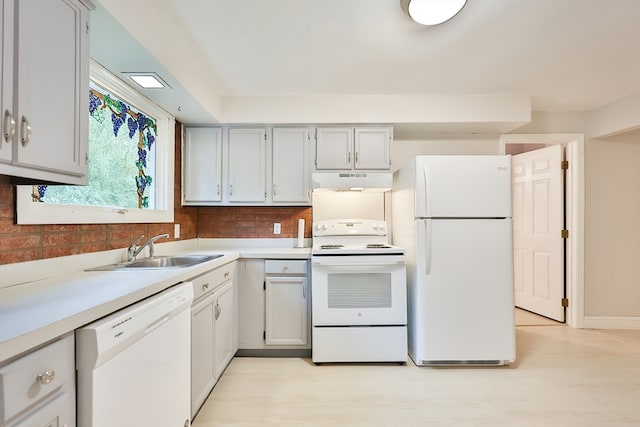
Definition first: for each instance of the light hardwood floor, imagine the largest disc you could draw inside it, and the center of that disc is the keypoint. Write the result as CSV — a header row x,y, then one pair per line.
x,y
562,377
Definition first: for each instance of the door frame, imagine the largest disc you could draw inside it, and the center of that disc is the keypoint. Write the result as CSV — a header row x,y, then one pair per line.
x,y
574,213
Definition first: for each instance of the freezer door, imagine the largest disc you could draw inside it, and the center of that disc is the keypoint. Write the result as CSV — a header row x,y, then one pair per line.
x,y
463,186
461,301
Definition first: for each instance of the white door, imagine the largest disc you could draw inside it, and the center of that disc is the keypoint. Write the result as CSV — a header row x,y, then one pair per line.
x,y
247,165
290,166
538,220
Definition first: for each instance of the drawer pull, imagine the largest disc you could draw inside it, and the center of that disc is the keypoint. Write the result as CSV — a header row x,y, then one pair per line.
x,y
226,275
46,377
205,286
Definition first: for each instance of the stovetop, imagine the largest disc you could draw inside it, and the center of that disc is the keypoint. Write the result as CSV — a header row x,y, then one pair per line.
x,y
352,237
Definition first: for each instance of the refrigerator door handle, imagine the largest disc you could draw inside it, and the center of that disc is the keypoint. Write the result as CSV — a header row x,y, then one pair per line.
x,y
426,232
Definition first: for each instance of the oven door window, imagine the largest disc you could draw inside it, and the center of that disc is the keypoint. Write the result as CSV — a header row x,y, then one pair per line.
x,y
371,294
360,290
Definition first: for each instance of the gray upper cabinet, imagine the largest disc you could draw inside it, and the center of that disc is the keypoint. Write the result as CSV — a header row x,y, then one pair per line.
x,y
246,166
202,153
45,90
353,148
290,166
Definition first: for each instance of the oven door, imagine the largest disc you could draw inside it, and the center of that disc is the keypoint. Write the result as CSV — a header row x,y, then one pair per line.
x,y
359,290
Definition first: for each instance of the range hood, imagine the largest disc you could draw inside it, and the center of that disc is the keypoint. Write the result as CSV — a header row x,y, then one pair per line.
x,y
352,181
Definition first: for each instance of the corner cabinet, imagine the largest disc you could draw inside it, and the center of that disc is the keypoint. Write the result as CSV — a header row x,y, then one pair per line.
x,y
246,166
44,90
353,148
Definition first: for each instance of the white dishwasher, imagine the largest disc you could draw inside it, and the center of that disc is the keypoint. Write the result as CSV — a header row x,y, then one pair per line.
x,y
134,365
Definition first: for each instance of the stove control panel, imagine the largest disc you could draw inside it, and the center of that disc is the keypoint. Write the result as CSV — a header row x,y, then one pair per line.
x,y
350,227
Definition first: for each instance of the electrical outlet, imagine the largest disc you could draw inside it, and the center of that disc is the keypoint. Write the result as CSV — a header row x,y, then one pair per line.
x,y
276,228
176,231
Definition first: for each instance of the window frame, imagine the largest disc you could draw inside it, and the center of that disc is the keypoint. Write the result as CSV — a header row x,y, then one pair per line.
x,y
29,212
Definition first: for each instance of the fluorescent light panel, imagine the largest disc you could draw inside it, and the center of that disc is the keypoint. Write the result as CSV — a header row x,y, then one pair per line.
x,y
147,80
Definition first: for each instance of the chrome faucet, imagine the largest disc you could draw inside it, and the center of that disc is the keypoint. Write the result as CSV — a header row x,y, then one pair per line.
x,y
135,250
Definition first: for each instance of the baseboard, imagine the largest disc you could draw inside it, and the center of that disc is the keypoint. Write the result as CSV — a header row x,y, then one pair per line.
x,y
610,322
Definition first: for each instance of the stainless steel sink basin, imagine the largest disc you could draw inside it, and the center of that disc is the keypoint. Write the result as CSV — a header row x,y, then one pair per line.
x,y
158,263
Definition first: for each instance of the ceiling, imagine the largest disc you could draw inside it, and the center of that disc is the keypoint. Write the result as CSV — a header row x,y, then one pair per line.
x,y
566,55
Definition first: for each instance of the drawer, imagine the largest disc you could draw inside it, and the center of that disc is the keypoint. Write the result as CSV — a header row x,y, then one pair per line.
x,y
24,382
285,266
207,282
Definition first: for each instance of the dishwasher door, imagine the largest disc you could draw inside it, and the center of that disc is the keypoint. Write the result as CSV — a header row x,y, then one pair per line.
x,y
134,365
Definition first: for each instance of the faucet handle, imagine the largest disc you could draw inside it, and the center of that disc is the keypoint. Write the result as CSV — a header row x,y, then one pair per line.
x,y
132,248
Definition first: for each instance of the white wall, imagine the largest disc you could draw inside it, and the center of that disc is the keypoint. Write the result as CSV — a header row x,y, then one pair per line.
x,y
612,241
405,147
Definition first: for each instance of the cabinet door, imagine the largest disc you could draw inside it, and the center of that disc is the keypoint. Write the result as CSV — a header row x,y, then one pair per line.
x,y
52,86
7,123
57,412
202,351
223,327
202,165
286,311
290,166
373,148
247,165
334,148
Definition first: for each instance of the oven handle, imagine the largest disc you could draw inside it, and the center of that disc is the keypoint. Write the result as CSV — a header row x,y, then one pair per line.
x,y
357,264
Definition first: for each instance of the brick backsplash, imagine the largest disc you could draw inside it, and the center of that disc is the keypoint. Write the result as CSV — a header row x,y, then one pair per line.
x,y
256,222
32,242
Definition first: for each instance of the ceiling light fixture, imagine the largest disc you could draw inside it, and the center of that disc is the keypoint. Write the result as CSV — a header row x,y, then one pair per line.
x,y
432,12
147,80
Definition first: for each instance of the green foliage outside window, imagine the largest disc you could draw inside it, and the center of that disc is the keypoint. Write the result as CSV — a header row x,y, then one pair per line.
x,y
121,158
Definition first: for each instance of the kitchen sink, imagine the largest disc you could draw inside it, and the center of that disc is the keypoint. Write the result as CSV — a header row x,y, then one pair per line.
x,y
158,263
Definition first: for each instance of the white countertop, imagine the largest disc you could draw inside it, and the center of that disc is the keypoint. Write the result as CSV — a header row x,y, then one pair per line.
x,y
38,311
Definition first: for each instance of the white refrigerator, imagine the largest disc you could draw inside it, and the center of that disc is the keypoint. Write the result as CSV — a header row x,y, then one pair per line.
x,y
452,214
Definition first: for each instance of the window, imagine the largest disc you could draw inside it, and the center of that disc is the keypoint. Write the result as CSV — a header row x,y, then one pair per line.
x,y
130,164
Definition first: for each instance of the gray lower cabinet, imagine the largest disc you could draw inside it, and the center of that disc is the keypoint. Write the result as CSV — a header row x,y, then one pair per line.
x,y
274,305
38,389
212,331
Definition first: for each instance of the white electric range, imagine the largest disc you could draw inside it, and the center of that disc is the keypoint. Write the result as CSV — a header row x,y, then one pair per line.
x,y
359,293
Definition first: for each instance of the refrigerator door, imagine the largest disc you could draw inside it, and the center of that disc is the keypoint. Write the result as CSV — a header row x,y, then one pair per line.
x,y
462,293
463,186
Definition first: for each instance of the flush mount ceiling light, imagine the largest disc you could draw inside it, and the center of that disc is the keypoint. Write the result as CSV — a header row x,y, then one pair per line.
x,y
147,80
432,12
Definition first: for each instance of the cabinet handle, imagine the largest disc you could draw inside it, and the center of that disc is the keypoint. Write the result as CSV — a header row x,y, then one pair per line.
x,y
349,157
218,190
46,377
9,126
356,157
205,286
230,189
274,189
26,131
218,311
304,291
226,275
